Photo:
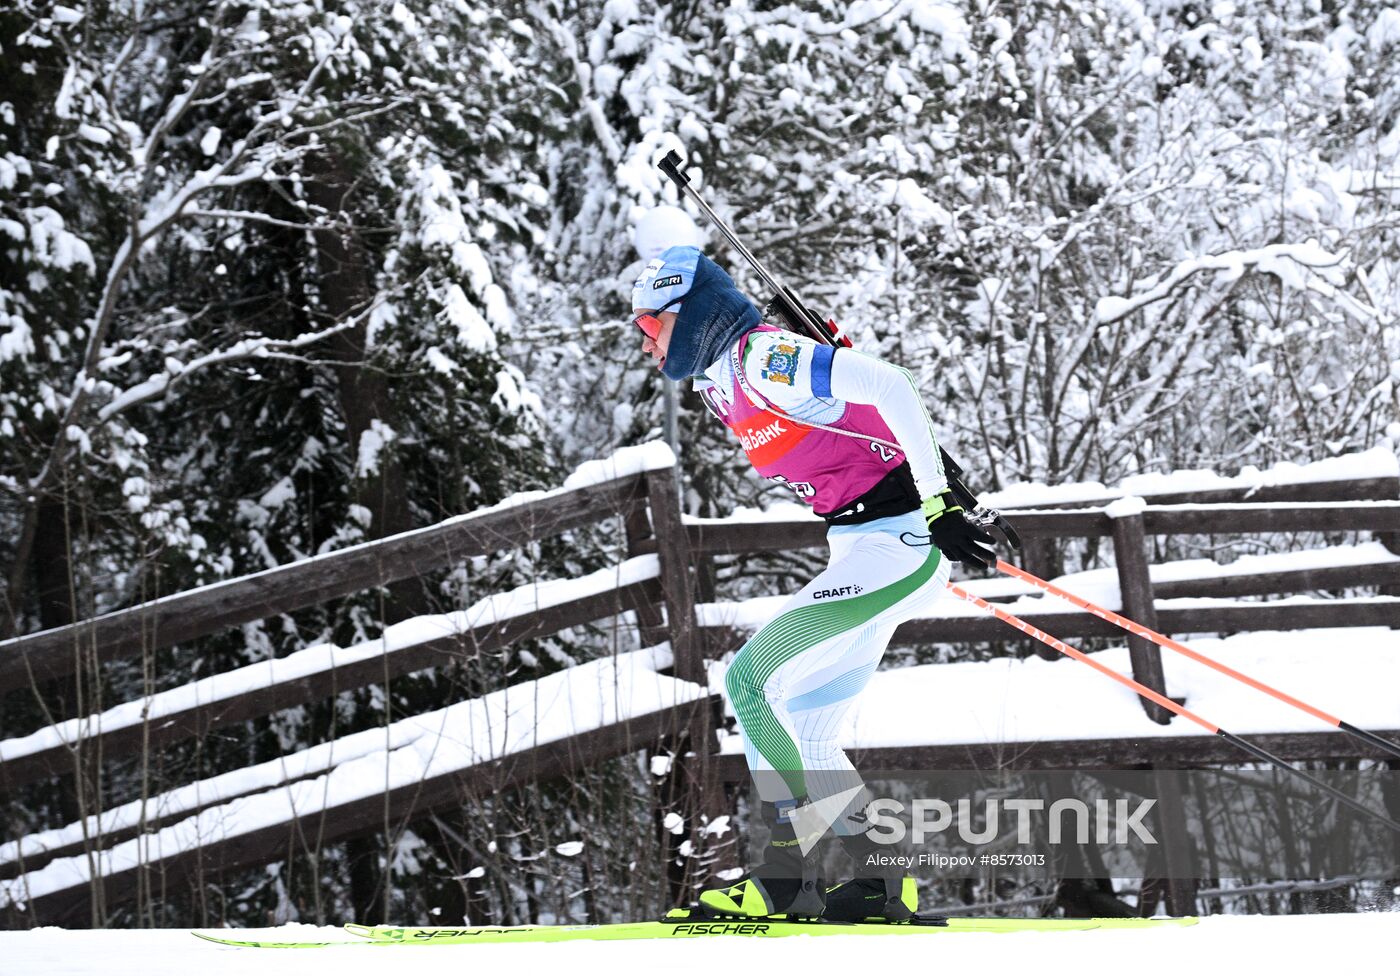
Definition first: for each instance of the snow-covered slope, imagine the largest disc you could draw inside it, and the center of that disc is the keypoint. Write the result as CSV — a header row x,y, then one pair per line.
x,y
1223,944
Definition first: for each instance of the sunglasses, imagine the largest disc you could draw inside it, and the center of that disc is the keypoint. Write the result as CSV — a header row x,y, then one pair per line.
x,y
649,324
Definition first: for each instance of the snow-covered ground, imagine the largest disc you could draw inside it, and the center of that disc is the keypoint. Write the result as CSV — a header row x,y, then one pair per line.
x,y
1228,943
1350,672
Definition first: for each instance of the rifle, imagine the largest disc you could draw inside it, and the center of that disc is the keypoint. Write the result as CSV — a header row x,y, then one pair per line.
x,y
800,319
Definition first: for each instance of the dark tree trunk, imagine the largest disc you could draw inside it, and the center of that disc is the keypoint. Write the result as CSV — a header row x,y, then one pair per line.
x,y
345,283
46,573
346,290
52,563
366,889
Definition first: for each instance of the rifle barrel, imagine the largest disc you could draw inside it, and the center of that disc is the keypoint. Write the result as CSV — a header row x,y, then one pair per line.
x,y
670,165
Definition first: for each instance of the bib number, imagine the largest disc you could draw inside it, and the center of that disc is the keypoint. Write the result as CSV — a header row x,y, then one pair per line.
x,y
802,488
886,454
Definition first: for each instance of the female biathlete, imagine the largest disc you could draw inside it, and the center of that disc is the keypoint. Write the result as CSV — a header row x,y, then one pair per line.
x,y
850,436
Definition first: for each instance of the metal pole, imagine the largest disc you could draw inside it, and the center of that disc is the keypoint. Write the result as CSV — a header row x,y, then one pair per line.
x,y
669,424
1134,627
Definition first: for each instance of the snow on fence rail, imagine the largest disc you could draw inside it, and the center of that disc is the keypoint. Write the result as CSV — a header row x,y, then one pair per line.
x,y
535,730
268,686
1370,474
785,528
1189,599
598,490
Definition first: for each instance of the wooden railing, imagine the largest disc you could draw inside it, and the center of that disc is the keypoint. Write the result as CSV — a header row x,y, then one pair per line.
x,y
198,718
665,602
647,503
182,617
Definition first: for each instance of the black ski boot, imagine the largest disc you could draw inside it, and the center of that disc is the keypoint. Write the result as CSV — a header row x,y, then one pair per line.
x,y
787,882
878,892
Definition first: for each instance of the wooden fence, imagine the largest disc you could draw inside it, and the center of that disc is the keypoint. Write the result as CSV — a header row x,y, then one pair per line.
x,y
686,550
646,501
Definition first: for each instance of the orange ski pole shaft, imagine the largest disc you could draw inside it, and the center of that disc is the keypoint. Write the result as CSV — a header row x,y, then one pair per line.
x,y
1257,751
1032,630
1162,640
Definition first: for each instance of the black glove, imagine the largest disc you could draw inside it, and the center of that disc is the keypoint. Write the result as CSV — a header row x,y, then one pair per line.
x,y
951,532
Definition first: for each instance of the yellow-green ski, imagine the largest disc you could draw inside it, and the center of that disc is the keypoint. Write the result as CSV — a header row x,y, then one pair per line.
x,y
261,944
682,923
687,924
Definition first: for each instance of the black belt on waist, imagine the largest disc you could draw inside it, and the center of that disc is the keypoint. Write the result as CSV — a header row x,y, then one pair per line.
x,y
894,494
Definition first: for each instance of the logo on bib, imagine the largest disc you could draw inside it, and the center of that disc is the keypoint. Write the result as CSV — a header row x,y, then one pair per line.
x,y
757,438
766,439
852,590
780,365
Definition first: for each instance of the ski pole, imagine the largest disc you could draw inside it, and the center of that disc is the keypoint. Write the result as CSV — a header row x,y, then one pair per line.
x,y
1162,640
1257,751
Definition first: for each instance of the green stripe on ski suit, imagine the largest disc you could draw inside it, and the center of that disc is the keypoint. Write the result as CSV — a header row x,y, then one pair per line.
x,y
783,639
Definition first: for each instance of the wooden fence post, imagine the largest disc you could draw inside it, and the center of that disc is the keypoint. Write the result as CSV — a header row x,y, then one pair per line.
x,y
1135,584
651,623
1039,556
706,576
1178,851
1139,603
1391,540
694,773
673,550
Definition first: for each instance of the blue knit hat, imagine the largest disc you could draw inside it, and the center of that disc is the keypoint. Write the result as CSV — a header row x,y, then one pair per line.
x,y
713,313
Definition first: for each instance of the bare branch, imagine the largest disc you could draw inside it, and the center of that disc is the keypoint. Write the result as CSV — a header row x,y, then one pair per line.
x,y
258,347
252,216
